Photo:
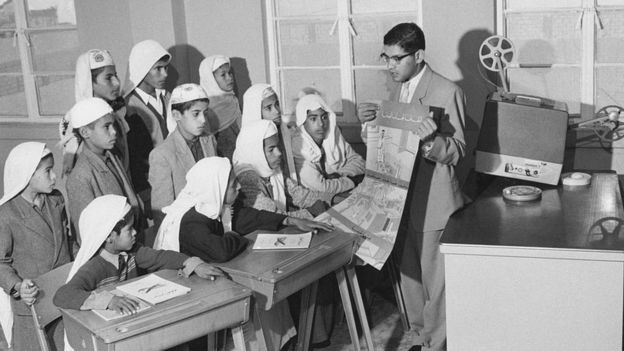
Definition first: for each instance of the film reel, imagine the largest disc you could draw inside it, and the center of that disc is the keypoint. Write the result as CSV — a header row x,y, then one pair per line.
x,y
605,231
607,124
496,53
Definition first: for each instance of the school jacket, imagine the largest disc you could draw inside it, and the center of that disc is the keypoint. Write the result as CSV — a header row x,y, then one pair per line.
x,y
29,247
169,163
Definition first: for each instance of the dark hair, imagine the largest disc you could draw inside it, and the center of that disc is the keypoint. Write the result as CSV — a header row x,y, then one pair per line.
x,y
408,36
128,218
183,106
96,72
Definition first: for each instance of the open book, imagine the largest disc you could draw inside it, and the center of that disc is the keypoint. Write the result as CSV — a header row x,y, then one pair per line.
x,y
153,289
282,241
109,315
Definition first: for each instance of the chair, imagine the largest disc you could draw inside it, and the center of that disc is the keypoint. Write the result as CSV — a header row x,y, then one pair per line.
x,y
43,310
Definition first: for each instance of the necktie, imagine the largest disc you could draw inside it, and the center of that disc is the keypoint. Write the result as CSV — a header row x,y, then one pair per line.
x,y
122,270
405,93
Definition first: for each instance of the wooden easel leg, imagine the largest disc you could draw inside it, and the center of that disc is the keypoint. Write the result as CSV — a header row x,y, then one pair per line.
x,y
239,338
398,293
346,304
212,341
306,316
359,305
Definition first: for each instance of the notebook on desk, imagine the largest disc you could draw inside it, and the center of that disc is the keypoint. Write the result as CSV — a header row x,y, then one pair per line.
x,y
283,241
154,289
110,315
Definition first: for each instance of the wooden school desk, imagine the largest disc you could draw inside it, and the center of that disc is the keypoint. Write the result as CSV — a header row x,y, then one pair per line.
x,y
273,275
545,275
209,306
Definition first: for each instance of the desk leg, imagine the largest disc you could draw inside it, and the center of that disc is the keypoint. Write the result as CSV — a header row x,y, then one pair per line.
x,y
212,341
398,293
346,304
239,338
359,304
306,316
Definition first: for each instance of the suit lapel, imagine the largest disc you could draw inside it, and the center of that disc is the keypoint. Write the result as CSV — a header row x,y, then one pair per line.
x,y
423,85
183,153
36,224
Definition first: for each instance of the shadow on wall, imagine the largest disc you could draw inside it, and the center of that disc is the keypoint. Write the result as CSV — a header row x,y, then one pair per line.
x,y
242,81
184,66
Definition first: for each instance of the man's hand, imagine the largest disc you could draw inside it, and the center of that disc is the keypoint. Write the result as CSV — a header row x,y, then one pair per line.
x,y
206,271
426,129
28,291
307,225
123,305
367,111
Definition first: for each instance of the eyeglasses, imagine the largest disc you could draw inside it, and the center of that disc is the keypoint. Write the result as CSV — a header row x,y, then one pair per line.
x,y
393,60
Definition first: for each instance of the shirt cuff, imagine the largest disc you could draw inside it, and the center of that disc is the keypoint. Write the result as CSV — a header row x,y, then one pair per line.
x,y
97,300
190,264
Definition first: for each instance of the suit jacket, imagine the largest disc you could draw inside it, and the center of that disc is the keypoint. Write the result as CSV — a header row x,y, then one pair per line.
x,y
435,192
169,163
29,246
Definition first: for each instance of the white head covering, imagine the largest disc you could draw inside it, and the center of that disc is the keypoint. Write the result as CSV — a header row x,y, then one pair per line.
x,y
223,103
249,155
88,110
252,101
181,94
90,60
19,168
334,143
206,185
142,57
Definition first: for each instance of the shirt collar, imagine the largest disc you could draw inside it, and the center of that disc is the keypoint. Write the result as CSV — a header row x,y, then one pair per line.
x,y
147,98
111,257
413,82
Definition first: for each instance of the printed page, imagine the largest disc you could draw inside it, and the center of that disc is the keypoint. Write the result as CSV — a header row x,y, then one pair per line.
x,y
282,241
154,289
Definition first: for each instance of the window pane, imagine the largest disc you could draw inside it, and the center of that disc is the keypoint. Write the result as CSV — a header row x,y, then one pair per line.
x,y
561,84
326,82
9,56
50,13
12,97
7,15
532,4
544,38
610,40
306,7
610,3
54,51
55,94
308,44
376,6
609,86
367,45
371,85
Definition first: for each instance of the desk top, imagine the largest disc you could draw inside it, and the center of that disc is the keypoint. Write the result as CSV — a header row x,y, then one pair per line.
x,y
580,218
205,295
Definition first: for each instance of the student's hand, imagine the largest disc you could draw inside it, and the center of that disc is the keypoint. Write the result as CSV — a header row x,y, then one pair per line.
x,y
123,305
338,198
318,207
206,271
28,291
307,225
357,179
426,129
367,111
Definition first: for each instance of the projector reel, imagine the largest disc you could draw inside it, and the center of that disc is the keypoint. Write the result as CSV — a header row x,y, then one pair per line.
x,y
496,53
608,123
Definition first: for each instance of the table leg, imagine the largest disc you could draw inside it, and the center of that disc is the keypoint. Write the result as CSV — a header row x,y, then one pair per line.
x,y
239,338
212,341
359,305
398,293
306,316
346,304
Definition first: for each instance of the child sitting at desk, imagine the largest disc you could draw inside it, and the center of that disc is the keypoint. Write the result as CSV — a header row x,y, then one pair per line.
x,y
323,159
33,239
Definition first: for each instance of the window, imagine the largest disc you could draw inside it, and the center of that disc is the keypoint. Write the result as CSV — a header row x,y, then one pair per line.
x,y
38,50
567,50
332,46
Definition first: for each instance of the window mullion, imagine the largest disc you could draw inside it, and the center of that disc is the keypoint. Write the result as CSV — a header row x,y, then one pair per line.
x,y
23,42
346,61
273,47
587,61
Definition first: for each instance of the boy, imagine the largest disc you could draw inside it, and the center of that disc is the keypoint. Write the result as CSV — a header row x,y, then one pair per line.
x,y
187,144
434,192
146,100
33,237
98,171
109,255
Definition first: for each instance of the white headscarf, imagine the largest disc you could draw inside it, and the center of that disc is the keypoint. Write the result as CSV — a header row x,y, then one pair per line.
x,y
181,94
223,103
142,57
249,155
206,185
19,168
334,143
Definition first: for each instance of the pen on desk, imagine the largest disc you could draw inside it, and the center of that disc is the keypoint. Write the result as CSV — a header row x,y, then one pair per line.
x,y
279,241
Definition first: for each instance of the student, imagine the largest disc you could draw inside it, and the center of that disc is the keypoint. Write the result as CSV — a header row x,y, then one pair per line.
x,y
147,102
435,191
257,164
96,76
98,171
187,144
33,239
110,255
323,159
215,76
261,102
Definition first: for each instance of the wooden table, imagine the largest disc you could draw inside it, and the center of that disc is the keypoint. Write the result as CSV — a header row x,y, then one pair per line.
x,y
209,306
276,274
544,275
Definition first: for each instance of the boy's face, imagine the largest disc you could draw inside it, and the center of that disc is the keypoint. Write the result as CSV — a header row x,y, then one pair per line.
x,y
405,67
272,152
106,85
271,109
44,178
193,120
157,75
317,124
232,190
224,77
126,238
101,134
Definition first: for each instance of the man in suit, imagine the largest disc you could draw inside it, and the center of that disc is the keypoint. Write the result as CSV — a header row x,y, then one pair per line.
x,y
434,192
